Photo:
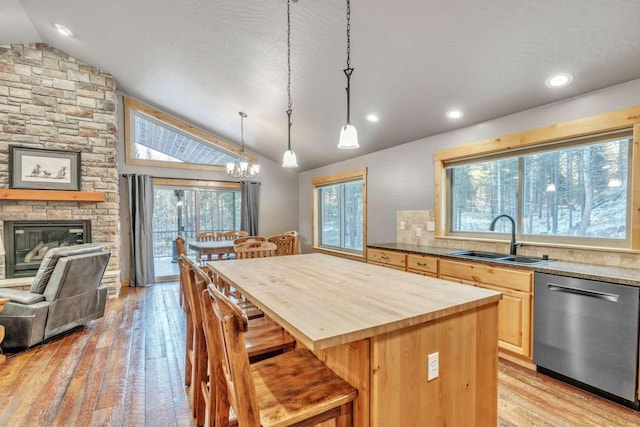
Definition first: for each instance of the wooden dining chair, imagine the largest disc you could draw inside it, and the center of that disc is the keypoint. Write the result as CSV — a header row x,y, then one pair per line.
x,y
264,339
254,250
242,233
230,235
207,236
294,388
284,243
296,241
249,239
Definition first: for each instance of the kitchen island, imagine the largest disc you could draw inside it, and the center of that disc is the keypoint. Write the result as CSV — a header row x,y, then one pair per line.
x,y
376,327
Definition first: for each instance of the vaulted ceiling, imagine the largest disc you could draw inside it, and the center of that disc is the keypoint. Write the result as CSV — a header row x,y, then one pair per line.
x,y
205,60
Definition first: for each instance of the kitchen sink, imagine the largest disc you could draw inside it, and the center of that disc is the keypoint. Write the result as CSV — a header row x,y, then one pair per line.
x,y
498,257
479,254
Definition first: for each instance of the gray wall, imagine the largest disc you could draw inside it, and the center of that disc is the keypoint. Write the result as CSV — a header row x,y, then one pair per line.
x,y
278,192
402,178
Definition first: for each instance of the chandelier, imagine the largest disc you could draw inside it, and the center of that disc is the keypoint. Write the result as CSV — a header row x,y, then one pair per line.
x,y
242,168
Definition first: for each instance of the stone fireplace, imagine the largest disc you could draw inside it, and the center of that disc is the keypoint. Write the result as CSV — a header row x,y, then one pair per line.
x,y
50,100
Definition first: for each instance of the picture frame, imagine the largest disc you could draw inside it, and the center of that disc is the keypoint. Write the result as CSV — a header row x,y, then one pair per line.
x,y
43,169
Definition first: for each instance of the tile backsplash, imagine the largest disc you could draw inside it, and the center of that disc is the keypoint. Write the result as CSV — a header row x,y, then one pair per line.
x,y
409,221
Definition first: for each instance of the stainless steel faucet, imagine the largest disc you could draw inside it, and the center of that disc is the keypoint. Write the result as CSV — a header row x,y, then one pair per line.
x,y
514,245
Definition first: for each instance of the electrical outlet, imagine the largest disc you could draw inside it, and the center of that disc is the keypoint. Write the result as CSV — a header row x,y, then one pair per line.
x,y
433,366
418,232
431,226
402,225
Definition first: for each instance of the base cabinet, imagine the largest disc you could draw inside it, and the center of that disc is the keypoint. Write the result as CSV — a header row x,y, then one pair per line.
x,y
515,310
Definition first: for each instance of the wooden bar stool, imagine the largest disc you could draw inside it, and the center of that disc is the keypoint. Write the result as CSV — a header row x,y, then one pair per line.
x,y
294,388
181,250
267,338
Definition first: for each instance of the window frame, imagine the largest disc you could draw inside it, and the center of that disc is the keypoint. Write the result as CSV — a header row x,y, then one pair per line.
x,y
340,178
539,140
132,106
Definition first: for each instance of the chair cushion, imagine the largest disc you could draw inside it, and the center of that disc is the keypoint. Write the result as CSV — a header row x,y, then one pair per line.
x,y
51,258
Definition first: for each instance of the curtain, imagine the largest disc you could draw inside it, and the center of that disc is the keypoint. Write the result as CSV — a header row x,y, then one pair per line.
x,y
140,194
249,201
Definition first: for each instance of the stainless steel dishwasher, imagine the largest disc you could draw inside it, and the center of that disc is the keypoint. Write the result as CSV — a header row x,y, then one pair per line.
x,y
587,331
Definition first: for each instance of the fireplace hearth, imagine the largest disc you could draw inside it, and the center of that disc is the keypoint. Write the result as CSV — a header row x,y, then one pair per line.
x,y
26,242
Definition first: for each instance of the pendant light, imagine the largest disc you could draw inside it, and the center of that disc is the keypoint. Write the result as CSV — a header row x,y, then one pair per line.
x,y
289,158
348,134
242,169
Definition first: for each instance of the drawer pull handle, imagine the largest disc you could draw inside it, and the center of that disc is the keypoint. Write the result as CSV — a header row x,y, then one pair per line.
x,y
421,264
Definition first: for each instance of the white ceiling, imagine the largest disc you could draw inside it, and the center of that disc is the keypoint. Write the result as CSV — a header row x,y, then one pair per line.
x,y
205,60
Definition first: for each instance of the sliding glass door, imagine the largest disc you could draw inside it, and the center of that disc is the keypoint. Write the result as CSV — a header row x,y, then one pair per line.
x,y
187,210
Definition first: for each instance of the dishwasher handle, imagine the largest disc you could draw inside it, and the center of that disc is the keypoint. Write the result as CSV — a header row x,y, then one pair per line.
x,y
584,292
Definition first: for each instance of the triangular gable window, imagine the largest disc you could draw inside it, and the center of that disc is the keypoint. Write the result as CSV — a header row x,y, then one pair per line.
x,y
152,136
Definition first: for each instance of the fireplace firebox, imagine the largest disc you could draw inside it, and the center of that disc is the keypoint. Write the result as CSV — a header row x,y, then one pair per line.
x,y
26,242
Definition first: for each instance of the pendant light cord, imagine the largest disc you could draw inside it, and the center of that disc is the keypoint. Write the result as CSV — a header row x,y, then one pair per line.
x,y
289,110
348,71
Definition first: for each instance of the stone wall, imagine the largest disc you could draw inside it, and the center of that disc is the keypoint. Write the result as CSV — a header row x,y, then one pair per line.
x,y
51,100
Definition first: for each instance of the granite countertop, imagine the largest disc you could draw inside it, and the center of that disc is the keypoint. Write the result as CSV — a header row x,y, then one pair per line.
x,y
620,275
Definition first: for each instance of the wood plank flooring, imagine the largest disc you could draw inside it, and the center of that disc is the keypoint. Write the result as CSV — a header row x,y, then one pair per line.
x,y
127,369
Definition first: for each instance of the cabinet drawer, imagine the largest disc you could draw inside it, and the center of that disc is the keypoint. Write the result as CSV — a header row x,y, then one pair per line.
x,y
422,263
396,259
487,274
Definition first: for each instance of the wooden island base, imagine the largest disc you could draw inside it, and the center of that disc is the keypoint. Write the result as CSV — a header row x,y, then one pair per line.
x,y
390,372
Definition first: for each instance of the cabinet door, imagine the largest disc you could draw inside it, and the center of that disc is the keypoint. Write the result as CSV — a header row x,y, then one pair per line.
x,y
397,260
514,320
422,264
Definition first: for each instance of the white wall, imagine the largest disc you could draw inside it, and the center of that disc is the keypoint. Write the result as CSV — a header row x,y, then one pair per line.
x,y
278,192
402,178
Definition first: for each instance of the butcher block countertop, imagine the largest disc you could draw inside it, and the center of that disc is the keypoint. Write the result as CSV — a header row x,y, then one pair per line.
x,y
620,275
326,301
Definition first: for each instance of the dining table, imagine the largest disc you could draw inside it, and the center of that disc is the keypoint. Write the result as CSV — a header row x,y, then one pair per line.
x,y
213,247
420,350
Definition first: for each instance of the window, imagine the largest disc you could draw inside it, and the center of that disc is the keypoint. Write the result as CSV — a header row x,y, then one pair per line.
x,y
340,213
570,192
155,138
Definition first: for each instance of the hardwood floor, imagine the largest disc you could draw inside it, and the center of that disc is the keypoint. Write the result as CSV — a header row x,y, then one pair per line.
x,y
127,369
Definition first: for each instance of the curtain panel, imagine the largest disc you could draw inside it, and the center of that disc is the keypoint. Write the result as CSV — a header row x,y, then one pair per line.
x,y
140,198
249,203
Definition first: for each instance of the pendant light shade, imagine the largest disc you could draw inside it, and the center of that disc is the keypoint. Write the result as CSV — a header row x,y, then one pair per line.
x,y
348,134
289,159
348,137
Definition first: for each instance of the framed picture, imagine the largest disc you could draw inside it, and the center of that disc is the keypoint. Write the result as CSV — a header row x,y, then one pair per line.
x,y
42,169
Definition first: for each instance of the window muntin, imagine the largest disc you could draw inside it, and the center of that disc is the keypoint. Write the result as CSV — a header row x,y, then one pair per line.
x,y
564,193
339,224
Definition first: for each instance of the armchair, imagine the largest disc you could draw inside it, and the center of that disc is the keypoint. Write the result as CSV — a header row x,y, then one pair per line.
x,y
67,292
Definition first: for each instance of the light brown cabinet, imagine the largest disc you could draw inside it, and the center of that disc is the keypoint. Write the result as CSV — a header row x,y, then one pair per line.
x,y
392,259
515,308
422,264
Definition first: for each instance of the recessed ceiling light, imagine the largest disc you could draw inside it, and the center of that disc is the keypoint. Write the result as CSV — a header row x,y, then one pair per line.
x,y
454,114
63,30
559,80
373,117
